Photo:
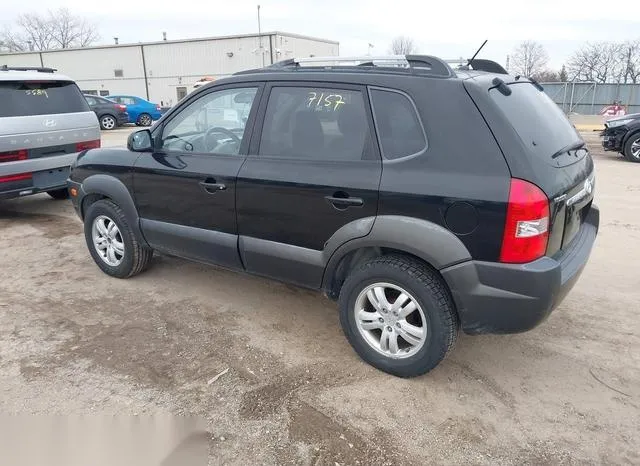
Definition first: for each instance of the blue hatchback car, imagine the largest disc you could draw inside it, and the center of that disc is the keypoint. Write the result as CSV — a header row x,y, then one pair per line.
x,y
141,112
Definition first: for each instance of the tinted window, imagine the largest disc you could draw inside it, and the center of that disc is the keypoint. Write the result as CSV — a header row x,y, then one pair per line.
x,y
91,100
399,128
315,123
213,123
539,122
40,98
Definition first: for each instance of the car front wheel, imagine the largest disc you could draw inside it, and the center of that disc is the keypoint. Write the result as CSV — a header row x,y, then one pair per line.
x,y
112,243
398,315
632,148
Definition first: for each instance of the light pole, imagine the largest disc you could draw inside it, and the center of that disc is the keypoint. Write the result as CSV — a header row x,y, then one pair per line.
x,y
260,37
369,47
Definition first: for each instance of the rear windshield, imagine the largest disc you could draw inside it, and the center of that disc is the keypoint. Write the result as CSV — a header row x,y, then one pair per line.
x,y
539,122
23,98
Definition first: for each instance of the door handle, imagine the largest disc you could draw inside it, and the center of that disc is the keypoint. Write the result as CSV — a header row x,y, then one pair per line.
x,y
342,201
212,187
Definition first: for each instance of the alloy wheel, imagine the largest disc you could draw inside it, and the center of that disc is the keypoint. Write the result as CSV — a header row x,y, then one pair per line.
x,y
635,149
390,320
108,122
107,240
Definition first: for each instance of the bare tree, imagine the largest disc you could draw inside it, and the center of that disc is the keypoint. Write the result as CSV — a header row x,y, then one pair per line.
x,y
529,58
53,30
68,30
402,45
630,62
564,77
547,76
598,62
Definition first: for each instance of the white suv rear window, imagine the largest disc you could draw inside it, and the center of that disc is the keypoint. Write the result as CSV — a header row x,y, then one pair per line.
x,y
23,98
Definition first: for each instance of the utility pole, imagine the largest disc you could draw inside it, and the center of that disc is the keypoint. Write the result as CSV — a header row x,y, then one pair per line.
x,y
260,37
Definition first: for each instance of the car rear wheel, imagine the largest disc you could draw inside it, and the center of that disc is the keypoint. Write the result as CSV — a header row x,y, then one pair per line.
x,y
112,243
59,194
144,120
108,122
632,148
398,315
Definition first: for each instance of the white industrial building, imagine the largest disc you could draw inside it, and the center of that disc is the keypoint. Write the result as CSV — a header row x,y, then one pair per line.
x,y
165,71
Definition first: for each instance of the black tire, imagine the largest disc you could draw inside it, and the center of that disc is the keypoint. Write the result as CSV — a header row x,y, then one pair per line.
x,y
136,257
108,122
628,152
59,194
430,292
144,119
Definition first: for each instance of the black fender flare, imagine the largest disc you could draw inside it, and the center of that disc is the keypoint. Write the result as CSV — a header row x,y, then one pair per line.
x,y
114,189
424,239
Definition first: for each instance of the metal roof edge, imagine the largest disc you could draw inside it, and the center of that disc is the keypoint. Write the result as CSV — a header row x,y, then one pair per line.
x,y
175,41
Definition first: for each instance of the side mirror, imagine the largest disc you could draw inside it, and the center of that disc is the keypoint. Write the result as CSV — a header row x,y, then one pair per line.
x,y
140,141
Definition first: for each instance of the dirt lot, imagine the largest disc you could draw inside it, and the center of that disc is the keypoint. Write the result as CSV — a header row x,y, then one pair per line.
x,y
74,340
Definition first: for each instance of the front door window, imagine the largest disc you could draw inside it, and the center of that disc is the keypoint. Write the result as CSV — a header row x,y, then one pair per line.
x,y
214,123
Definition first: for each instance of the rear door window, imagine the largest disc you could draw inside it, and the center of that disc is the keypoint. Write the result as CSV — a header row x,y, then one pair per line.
x,y
539,122
316,123
24,98
399,128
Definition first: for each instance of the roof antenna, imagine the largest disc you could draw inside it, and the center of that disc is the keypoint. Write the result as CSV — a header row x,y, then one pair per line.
x,y
476,54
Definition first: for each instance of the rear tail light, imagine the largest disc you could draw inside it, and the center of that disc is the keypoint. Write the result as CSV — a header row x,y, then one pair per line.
x,y
158,107
13,155
80,146
18,177
121,107
526,230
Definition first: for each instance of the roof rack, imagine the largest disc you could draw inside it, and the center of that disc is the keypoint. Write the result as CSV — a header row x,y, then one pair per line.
x,y
478,64
27,68
422,64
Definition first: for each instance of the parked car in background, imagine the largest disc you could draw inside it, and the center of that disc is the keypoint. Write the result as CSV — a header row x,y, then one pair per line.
x,y
622,134
110,114
44,122
360,182
141,112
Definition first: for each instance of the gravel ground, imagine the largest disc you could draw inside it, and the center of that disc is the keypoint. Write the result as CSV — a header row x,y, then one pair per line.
x,y
73,340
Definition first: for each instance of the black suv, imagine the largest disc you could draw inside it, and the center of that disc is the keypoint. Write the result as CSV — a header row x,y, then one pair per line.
x,y
423,199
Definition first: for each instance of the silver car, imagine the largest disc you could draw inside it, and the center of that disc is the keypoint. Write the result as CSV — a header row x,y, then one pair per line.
x,y
44,122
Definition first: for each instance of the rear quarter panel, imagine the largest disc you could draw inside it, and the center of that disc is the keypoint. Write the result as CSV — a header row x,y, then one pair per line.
x,y
462,167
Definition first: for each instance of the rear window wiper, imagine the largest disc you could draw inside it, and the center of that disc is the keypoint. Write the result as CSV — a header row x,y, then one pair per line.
x,y
575,146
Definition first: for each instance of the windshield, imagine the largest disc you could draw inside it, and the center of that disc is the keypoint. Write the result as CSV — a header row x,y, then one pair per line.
x,y
539,122
23,98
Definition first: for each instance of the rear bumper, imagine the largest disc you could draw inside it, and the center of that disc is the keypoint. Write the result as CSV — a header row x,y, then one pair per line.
x,y
48,174
511,298
122,118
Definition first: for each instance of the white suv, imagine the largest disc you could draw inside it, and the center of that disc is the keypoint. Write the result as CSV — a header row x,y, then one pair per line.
x,y
44,122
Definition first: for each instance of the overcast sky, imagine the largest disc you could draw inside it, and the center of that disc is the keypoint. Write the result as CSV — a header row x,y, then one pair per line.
x,y
447,29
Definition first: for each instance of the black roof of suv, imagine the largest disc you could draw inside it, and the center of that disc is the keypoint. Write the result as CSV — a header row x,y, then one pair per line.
x,y
421,198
